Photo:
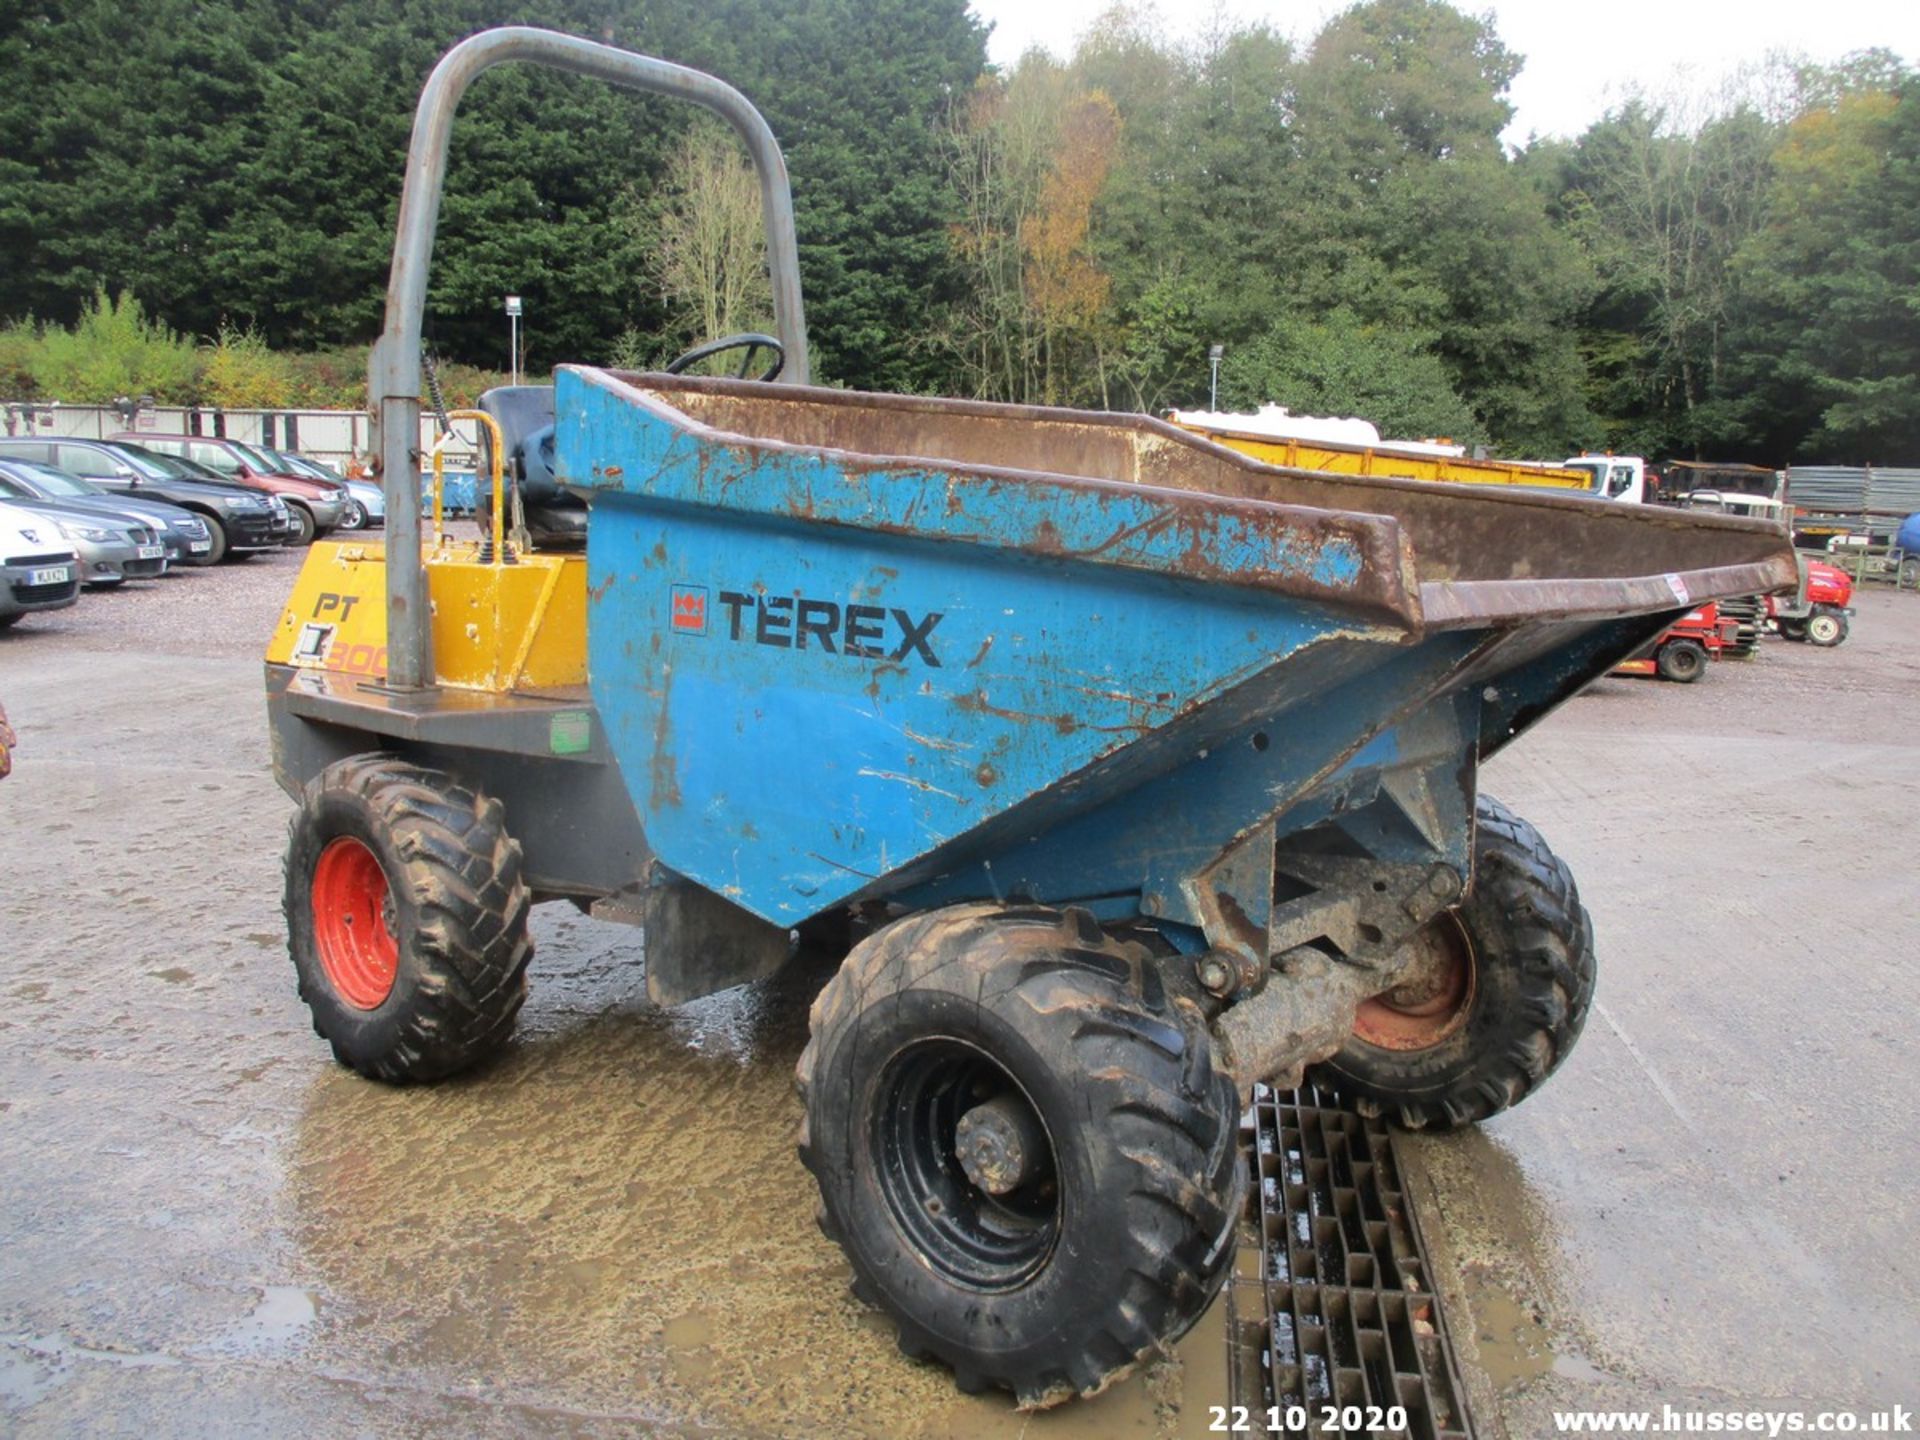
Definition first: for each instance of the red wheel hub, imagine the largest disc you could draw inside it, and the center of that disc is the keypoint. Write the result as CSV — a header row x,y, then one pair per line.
x,y
1433,998
353,923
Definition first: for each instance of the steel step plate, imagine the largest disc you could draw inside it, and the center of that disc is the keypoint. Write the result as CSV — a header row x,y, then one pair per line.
x,y
1332,1319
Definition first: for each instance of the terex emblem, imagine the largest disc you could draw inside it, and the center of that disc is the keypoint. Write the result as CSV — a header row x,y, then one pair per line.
x,y
798,622
689,609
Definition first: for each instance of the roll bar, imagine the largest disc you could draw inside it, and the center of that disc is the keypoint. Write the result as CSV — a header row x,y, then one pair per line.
x,y
393,372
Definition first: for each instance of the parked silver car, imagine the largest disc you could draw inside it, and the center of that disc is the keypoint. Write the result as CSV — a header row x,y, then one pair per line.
x,y
111,551
185,534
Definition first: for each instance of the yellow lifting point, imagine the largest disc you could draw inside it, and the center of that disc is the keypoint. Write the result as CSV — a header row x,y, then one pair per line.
x,y
498,450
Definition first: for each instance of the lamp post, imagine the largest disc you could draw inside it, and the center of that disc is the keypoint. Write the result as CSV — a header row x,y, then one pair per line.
x,y
1214,352
513,337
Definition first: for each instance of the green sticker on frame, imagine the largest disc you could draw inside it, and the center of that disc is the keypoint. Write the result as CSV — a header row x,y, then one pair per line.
x,y
570,732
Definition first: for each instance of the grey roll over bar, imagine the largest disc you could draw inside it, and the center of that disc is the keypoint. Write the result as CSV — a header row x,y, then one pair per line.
x,y
393,372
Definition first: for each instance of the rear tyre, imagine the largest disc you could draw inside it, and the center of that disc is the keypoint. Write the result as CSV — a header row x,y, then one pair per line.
x,y
406,918
1826,628
1684,661
1495,1002
1023,1146
1910,573
1793,629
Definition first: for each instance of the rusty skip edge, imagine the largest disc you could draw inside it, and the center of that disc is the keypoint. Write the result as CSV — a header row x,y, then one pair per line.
x,y
1382,588
1464,604
1177,436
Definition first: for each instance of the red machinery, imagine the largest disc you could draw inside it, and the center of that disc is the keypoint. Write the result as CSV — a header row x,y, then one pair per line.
x,y
1682,650
1817,611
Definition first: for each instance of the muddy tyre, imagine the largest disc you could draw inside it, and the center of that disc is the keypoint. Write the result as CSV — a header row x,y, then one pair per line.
x,y
1497,1000
406,919
1023,1146
1682,661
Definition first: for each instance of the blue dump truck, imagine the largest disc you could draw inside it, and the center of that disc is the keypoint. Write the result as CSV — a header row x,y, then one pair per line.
x,y
1116,770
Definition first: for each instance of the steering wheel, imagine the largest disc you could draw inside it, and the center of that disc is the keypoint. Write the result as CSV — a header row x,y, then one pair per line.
x,y
749,341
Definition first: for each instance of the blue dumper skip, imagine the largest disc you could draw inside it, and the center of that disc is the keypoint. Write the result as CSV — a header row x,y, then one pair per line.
x,y
829,675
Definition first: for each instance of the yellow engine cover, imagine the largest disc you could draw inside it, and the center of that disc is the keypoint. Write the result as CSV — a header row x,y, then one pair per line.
x,y
495,627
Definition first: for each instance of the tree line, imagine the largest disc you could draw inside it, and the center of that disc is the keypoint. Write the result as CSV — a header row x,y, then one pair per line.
x,y
1734,276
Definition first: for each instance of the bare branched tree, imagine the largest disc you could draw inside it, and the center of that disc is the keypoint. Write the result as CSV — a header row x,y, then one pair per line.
x,y
710,261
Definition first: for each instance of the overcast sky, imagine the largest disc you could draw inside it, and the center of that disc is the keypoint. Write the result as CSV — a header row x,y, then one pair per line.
x,y
1579,53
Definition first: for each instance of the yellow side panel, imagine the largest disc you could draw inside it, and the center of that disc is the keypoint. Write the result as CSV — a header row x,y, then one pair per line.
x,y
336,617
556,652
507,627
1339,460
495,627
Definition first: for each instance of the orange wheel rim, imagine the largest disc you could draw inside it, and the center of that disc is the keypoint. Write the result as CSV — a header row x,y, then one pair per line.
x,y
353,923
1432,1001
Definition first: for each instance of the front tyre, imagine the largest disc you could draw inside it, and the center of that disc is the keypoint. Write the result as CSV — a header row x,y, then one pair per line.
x,y
1022,1144
406,918
216,543
303,527
1494,999
1683,661
1826,627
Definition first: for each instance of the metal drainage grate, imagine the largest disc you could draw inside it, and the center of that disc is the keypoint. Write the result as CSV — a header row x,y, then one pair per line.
x,y
1331,1314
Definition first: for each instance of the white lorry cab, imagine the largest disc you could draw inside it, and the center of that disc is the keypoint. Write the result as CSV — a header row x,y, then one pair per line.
x,y
1615,477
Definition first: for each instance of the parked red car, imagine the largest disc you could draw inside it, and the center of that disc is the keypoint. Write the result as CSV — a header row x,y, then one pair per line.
x,y
317,505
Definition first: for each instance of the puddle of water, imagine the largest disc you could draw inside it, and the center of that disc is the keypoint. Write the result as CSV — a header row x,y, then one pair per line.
x,y
690,1355
39,1363
283,1313
27,1378
1573,1367
1514,1345
173,974
688,1332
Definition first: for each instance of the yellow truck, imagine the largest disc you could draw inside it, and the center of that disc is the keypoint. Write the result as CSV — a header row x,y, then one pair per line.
x,y
1354,447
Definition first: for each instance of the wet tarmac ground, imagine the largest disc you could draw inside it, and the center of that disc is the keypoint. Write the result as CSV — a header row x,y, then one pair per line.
x,y
207,1227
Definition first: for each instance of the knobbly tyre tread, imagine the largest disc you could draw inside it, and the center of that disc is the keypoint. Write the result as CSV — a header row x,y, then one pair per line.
x,y
463,977
1170,1119
1524,893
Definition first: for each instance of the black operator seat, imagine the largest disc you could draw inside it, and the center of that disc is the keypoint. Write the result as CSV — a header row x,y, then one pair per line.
x,y
556,519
